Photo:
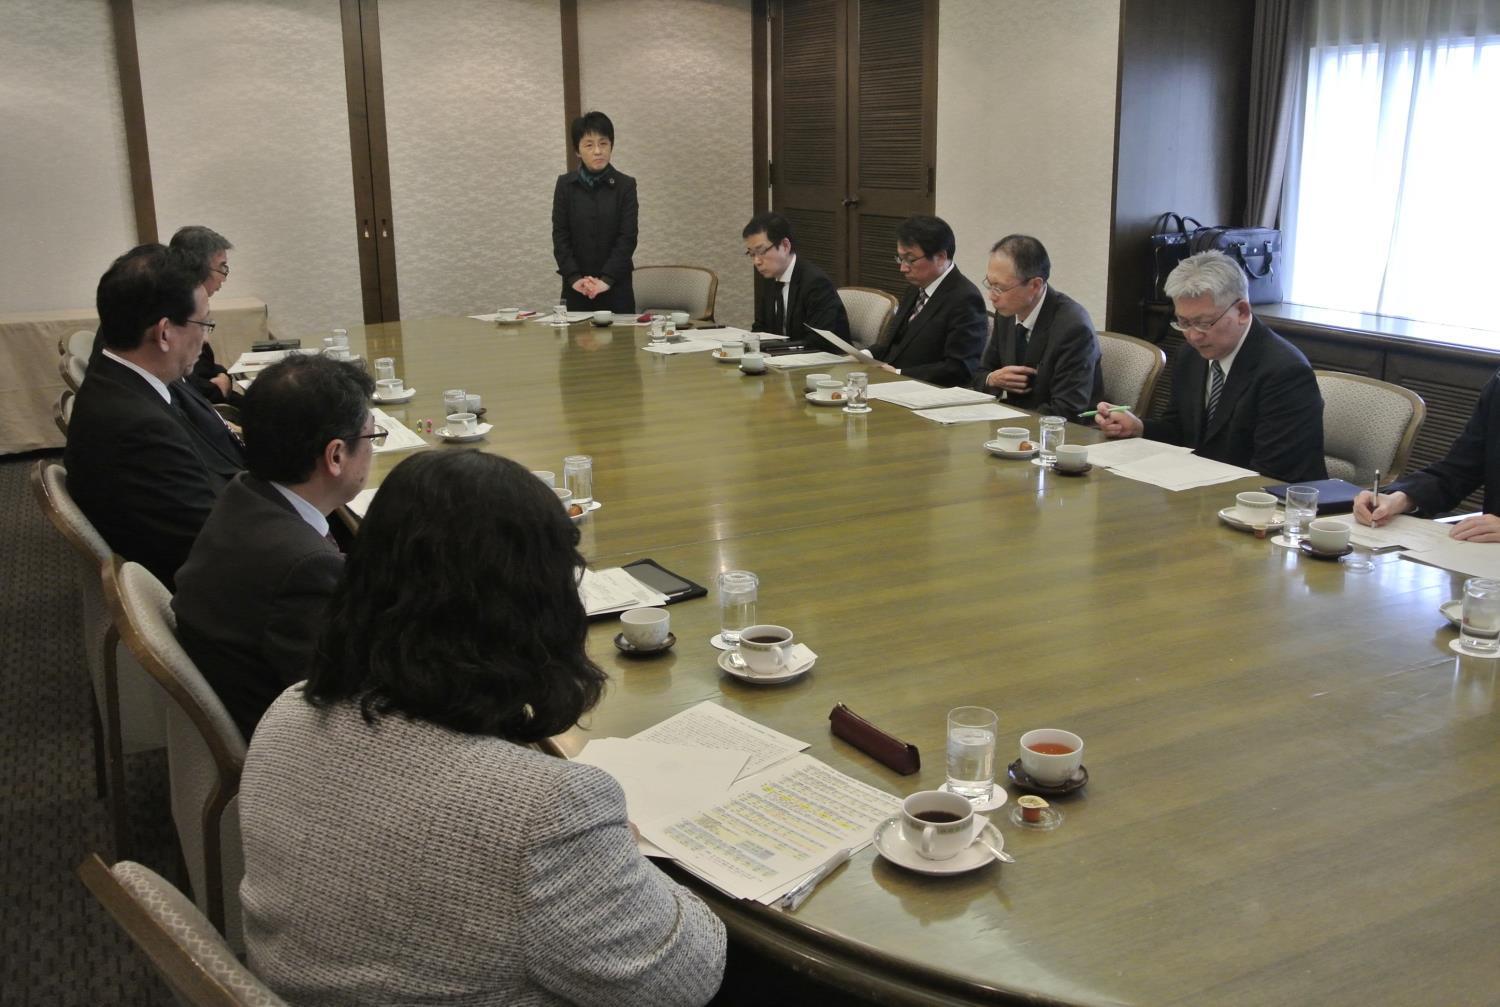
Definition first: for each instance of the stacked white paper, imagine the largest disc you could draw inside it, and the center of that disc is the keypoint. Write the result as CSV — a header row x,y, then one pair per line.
x,y
398,436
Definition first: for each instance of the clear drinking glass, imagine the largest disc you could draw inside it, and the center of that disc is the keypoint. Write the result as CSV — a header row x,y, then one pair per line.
x,y
560,314
857,392
385,368
668,328
658,329
971,752
340,337
737,591
752,343
455,400
1480,628
1301,508
578,476
1054,430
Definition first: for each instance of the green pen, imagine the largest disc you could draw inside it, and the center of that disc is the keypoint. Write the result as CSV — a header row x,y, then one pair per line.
x,y
1113,409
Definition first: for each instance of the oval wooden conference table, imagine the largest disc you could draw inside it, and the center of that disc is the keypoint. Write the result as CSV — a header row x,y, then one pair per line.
x,y
1295,785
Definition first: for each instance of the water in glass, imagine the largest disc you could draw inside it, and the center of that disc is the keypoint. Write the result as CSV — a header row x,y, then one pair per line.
x,y
1480,627
1054,430
856,392
578,476
971,752
737,593
1301,508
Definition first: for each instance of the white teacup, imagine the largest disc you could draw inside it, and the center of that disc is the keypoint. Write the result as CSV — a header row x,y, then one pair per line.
x,y
937,824
460,424
753,363
1052,765
1010,438
829,389
765,648
680,318
604,318
733,347
564,495
1254,507
646,628
390,388
813,380
550,478
509,314
1072,457
1328,535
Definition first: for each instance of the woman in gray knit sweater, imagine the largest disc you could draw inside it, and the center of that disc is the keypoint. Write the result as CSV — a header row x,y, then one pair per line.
x,y
402,844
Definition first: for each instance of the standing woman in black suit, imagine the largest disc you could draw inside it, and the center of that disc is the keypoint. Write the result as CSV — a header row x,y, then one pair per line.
x,y
594,223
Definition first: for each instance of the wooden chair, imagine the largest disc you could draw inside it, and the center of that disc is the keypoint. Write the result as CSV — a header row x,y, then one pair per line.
x,y
205,750
1367,425
1131,368
870,312
677,288
188,953
73,369
127,706
62,413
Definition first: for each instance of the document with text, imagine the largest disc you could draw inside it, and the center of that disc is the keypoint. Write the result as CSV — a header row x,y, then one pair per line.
x,y
399,437
709,725
613,590
969,414
920,395
790,361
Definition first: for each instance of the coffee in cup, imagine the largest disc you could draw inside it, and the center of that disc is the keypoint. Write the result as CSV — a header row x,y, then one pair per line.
x,y
1011,438
1254,507
1072,457
764,648
1328,535
462,424
753,363
936,824
1051,756
645,628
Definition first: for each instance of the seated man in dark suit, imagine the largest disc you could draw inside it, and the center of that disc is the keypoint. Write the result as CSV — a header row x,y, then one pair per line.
x,y
1473,461
939,327
147,455
799,294
250,597
207,252
1240,393
1044,353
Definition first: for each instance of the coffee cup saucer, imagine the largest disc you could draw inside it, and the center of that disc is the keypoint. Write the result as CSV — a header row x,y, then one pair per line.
x,y
723,356
728,664
1085,470
1023,780
818,401
994,448
1457,646
626,647
1229,517
1306,548
891,844
457,438
405,396
1453,611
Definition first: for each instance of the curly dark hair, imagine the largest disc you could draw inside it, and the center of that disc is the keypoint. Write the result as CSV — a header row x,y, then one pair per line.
x,y
459,604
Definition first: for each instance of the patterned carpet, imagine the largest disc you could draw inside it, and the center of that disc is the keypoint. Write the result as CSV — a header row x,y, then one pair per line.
x,y
57,946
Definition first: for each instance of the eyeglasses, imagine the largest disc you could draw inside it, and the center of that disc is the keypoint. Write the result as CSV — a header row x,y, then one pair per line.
x,y
207,326
222,270
759,253
1182,325
376,437
995,288
909,260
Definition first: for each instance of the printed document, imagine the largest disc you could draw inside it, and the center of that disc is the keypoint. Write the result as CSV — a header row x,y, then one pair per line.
x,y
614,590
682,346
863,356
966,414
399,436
1178,470
790,361
1413,534
709,725
361,502
920,395
1477,559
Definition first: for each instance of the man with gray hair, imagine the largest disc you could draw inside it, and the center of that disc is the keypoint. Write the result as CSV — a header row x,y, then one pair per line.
x,y
206,251
1240,393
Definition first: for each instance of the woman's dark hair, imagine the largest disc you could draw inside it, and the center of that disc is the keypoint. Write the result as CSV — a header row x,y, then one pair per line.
x,y
459,604
592,122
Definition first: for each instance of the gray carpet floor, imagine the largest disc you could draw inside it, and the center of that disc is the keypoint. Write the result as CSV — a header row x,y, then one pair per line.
x,y
57,946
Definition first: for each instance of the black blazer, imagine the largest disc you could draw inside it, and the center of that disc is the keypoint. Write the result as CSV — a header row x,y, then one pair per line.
x,y
144,473
1063,348
812,300
1270,415
251,597
594,233
1472,461
943,344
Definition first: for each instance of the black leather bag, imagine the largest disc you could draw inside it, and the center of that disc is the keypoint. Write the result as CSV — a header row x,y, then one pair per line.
x,y
1171,242
1256,249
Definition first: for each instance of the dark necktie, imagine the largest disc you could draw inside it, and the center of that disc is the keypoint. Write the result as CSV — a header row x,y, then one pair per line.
x,y
778,310
917,308
1215,387
1020,343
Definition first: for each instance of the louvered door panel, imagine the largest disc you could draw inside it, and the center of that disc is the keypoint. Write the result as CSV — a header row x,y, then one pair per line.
x,y
817,236
877,252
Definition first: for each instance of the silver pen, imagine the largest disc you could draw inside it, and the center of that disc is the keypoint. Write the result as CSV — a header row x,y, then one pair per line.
x,y
798,895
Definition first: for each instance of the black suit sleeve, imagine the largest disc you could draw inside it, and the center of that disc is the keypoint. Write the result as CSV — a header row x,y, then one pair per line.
x,y
1442,485
822,308
167,490
562,235
297,614
618,265
1289,419
989,360
762,306
963,342
1075,361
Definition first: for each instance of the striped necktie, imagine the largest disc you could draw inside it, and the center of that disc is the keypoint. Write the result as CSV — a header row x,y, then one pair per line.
x,y
1215,387
917,308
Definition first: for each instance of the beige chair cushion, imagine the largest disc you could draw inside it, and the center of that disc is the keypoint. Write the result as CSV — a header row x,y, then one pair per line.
x,y
1127,365
1364,422
676,288
869,311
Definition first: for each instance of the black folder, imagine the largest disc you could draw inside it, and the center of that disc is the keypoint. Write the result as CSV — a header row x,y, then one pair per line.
x,y
1335,496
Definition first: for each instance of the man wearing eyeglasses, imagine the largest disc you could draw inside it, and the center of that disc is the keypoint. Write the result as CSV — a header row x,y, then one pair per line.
x,y
798,293
207,251
251,596
147,455
939,327
1044,353
1240,393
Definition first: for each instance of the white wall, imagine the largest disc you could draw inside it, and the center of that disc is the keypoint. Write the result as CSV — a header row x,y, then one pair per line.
x,y
65,204
1026,131
674,77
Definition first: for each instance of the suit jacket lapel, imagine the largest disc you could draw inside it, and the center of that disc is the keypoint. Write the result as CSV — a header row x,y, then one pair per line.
x,y
898,338
1037,338
915,325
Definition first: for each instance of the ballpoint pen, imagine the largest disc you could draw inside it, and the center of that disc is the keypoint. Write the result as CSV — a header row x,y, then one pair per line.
x,y
1113,409
798,895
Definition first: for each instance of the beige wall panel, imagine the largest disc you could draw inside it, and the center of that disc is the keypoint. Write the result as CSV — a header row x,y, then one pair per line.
x,y
1026,130
249,130
65,204
474,117
674,76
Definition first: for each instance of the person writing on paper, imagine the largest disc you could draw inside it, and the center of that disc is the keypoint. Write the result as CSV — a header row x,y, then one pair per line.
x,y
939,327
1241,394
403,841
595,223
799,294
251,596
1472,461
1044,354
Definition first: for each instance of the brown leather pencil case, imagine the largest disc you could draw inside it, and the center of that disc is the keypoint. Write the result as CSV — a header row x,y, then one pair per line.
x,y
889,751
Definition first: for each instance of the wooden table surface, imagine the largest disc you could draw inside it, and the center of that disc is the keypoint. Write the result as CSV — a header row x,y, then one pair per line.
x,y
1293,792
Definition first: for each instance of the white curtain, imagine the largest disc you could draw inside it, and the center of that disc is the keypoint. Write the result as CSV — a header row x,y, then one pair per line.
x,y
1393,184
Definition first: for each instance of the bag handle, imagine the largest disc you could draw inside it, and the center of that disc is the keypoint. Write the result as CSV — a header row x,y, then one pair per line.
x,y
1239,256
1163,223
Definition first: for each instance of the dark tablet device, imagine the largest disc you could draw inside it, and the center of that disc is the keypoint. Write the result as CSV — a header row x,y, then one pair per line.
x,y
656,576
1335,496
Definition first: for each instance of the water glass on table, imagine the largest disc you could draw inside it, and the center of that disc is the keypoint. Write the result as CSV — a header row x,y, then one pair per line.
x,y
560,314
737,595
857,392
455,400
971,753
1054,430
578,476
658,329
385,368
1479,630
1301,509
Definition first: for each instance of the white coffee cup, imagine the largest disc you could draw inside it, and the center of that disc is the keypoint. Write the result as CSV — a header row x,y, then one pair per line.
x,y
764,648
829,389
1328,535
813,380
1010,438
733,347
509,314
1254,507
646,628
753,363
1051,768
550,478
1072,457
390,388
680,318
460,424
564,495
604,318
937,824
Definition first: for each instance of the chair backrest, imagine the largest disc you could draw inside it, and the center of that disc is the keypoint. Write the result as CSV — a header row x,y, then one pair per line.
x,y
870,312
73,369
188,953
1131,367
62,413
205,750
1367,425
79,344
49,483
678,288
